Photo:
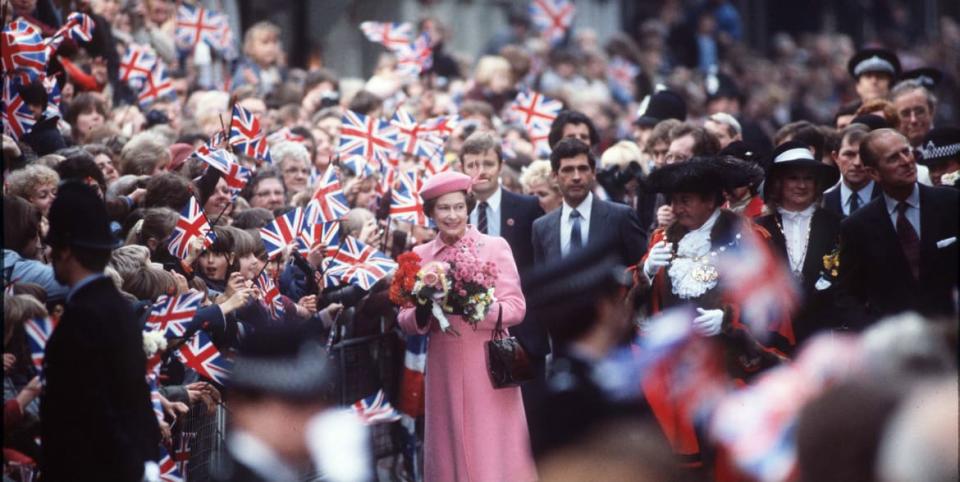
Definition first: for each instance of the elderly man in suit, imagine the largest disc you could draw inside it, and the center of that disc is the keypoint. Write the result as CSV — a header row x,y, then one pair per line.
x,y
98,423
583,219
899,252
856,188
510,216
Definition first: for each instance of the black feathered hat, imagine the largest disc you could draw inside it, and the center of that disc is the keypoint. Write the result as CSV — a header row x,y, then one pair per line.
x,y
705,175
661,105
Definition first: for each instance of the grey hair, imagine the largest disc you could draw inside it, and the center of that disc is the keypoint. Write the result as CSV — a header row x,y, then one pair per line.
x,y
283,150
910,85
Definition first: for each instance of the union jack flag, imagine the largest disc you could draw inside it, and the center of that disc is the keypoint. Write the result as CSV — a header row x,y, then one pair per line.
x,y
390,35
412,138
323,234
156,86
192,224
533,109
235,175
540,138
285,135
153,381
412,382
358,264
137,65
442,126
358,166
79,27
282,232
375,409
405,202
169,470
435,164
271,300
23,48
366,136
53,95
328,202
202,355
247,136
196,24
183,450
415,57
552,18
38,332
174,314
17,116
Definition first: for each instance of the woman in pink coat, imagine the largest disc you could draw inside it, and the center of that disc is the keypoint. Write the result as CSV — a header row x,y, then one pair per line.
x,y
474,432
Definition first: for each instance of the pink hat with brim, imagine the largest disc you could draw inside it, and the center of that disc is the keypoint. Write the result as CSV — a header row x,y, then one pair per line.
x,y
443,183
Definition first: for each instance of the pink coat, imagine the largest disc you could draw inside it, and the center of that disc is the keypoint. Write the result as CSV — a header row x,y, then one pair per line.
x,y
474,432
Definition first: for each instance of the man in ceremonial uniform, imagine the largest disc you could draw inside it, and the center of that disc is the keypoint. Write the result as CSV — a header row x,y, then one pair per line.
x,y
682,268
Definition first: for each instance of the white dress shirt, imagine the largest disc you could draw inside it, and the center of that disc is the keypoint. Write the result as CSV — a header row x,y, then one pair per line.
x,y
493,213
566,224
796,231
913,209
865,194
259,457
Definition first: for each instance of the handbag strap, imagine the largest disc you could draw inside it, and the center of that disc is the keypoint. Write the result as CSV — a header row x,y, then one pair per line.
x,y
498,330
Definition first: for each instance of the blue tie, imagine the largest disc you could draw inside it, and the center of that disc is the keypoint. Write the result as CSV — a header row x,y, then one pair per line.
x,y
575,240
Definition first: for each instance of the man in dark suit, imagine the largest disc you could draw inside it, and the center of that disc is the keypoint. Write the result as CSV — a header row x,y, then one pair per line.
x,y
502,213
583,219
855,188
899,252
97,420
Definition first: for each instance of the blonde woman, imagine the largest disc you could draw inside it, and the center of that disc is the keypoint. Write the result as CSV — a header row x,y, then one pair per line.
x,y
537,180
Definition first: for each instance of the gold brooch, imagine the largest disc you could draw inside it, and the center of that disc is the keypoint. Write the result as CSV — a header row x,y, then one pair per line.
x,y
705,273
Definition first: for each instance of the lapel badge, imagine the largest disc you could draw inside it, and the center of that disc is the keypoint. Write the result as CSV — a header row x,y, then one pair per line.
x,y
510,222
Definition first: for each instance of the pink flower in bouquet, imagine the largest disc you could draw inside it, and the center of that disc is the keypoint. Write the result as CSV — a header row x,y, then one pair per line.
x,y
433,273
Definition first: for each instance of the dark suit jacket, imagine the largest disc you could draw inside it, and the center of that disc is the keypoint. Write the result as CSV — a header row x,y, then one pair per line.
x,y
96,416
832,200
517,214
612,223
817,306
875,278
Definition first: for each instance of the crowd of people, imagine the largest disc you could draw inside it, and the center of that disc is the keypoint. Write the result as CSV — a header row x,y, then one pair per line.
x,y
720,265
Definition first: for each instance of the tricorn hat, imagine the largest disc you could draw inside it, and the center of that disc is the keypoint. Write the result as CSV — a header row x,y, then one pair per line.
x,y
661,105
940,144
704,175
797,154
285,362
79,218
874,60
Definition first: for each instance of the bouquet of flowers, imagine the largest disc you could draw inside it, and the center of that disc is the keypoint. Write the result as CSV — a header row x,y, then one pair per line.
x,y
458,284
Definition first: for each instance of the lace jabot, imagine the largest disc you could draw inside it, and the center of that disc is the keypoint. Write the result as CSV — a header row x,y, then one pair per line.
x,y
687,268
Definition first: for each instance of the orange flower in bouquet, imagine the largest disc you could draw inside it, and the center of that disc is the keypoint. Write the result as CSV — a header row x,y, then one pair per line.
x,y
404,279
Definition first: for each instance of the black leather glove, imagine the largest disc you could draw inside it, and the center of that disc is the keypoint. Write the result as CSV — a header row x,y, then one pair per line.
x,y
423,314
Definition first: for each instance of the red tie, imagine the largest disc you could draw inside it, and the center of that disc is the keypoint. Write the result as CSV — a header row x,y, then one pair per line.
x,y
909,240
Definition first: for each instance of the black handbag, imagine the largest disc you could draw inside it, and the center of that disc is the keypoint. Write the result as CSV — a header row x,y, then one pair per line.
x,y
507,361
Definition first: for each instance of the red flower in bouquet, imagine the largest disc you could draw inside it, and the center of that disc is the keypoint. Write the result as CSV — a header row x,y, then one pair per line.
x,y
401,288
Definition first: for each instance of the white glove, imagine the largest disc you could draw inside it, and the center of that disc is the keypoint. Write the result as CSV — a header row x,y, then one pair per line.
x,y
709,323
658,257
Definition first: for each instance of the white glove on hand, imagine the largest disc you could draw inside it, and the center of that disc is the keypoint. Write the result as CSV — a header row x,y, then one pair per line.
x,y
658,257
709,323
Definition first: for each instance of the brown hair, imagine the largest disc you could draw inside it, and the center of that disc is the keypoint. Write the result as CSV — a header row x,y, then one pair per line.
x,y
882,107
21,223
149,283
704,143
479,143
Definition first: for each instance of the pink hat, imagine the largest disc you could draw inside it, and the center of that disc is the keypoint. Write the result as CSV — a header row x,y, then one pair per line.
x,y
443,183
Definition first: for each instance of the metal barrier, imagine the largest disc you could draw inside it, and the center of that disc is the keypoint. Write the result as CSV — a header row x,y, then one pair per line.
x,y
364,365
